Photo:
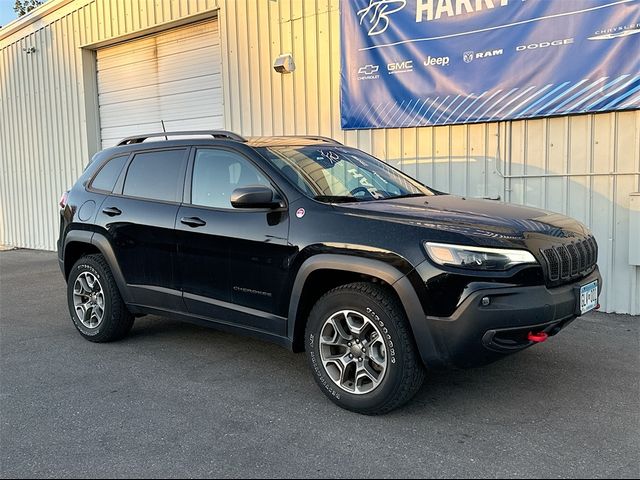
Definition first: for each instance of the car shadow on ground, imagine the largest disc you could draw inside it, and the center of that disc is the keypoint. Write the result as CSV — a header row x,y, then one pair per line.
x,y
513,380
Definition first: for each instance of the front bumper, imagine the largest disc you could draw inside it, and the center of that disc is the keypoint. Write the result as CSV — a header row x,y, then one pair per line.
x,y
476,334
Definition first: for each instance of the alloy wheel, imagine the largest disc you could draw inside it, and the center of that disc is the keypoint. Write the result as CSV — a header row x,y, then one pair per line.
x,y
353,352
88,300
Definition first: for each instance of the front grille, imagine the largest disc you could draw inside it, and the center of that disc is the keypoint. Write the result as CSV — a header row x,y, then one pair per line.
x,y
564,263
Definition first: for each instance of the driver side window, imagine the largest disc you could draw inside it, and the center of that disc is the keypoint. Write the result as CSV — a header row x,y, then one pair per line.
x,y
217,173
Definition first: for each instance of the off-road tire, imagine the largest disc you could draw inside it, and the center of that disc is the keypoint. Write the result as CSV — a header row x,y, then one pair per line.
x,y
404,372
117,320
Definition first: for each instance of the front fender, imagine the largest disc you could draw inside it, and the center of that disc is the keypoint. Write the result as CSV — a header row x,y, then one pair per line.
x,y
370,267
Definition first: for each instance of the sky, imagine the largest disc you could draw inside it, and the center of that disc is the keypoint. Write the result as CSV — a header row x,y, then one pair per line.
x,y
6,11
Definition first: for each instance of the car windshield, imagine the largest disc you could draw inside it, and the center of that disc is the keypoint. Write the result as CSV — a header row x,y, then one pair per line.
x,y
341,174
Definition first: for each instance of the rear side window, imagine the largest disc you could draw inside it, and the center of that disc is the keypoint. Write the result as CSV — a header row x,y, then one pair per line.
x,y
155,175
108,174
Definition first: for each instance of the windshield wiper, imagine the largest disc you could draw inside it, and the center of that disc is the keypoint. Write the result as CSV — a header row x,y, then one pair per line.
x,y
336,199
406,195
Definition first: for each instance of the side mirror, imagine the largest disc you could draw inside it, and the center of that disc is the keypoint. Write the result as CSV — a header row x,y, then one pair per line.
x,y
254,196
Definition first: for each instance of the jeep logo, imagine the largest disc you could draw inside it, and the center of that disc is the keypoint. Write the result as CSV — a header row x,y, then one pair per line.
x,y
440,61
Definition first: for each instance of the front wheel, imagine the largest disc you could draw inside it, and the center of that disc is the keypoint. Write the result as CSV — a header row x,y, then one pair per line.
x,y
361,350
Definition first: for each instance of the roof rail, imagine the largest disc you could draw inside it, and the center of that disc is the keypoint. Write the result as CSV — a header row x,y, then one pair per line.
x,y
320,138
223,134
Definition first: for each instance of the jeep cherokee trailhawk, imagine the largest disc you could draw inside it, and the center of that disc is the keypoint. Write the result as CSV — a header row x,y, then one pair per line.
x,y
320,248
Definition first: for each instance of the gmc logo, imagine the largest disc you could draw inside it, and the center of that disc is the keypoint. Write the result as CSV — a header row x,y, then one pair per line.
x,y
397,67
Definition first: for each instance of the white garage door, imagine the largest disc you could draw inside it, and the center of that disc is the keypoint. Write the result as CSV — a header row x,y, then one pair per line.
x,y
174,76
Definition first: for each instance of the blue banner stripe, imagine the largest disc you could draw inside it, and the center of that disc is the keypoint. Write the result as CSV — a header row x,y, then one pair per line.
x,y
598,92
614,92
621,98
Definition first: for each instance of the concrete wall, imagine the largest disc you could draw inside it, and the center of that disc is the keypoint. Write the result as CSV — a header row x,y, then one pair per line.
x,y
585,166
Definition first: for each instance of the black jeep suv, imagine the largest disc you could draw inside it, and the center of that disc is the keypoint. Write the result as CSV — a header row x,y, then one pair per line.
x,y
320,248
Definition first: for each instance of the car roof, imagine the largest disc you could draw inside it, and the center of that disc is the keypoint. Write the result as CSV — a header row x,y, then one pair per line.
x,y
214,137
228,136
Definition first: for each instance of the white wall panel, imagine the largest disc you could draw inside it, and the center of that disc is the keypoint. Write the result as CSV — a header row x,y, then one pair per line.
x,y
584,166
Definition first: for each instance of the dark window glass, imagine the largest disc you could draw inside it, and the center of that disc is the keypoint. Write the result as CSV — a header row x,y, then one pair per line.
x,y
155,175
217,173
108,174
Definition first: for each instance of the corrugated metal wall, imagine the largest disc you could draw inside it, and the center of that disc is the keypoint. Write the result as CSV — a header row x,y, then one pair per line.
x,y
585,166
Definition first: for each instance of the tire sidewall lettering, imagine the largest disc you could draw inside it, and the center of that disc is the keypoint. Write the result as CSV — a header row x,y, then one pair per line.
x,y
386,335
319,371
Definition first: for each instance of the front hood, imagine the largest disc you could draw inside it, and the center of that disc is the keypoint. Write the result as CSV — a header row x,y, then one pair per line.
x,y
470,217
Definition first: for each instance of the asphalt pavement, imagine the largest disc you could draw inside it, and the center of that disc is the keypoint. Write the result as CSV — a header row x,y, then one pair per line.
x,y
176,400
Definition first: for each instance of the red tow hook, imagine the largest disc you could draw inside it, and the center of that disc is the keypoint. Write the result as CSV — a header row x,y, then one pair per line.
x,y
537,337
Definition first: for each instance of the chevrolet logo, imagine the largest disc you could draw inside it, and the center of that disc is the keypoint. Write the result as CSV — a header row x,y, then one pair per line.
x,y
368,70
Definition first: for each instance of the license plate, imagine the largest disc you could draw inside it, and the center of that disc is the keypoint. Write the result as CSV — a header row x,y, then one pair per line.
x,y
588,297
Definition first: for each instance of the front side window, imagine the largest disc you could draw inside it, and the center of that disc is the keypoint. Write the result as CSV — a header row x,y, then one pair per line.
x,y
108,175
155,175
341,174
217,173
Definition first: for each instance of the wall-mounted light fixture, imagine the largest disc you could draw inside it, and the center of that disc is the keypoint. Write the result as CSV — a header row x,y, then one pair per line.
x,y
29,50
284,64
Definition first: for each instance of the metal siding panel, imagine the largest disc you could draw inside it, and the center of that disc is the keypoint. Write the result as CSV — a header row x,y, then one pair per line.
x,y
409,151
234,103
579,158
556,155
263,41
288,92
477,161
533,189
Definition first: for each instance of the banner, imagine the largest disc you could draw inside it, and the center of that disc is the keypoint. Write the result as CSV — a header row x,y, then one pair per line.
x,y
438,62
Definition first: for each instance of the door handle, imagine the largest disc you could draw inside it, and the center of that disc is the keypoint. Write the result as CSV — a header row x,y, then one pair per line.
x,y
111,211
193,221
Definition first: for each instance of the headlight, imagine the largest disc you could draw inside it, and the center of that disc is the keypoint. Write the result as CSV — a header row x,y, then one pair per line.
x,y
477,258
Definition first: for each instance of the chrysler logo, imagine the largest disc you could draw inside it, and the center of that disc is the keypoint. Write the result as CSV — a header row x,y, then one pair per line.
x,y
616,33
376,15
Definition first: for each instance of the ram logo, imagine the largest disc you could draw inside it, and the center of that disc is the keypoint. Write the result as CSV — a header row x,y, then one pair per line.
x,y
376,15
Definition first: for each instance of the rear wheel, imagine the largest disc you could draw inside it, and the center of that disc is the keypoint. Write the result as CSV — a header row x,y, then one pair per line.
x,y
361,350
95,304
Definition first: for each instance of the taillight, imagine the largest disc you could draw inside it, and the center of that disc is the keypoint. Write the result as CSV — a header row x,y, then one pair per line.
x,y
63,199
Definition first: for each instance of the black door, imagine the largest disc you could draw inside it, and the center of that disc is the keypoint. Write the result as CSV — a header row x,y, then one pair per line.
x,y
140,218
232,262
